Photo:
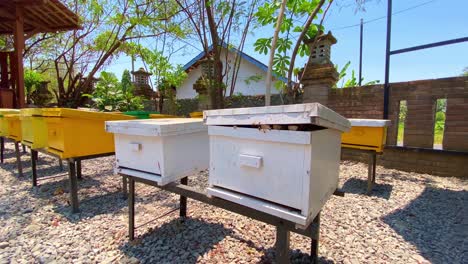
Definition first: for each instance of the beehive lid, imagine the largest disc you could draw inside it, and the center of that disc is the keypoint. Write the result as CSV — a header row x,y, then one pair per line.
x,y
31,112
311,113
6,111
157,127
369,122
82,114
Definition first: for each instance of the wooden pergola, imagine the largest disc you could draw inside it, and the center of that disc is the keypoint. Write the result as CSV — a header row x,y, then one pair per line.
x,y
23,19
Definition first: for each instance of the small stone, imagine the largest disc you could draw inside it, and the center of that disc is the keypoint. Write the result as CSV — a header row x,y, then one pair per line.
x,y
4,245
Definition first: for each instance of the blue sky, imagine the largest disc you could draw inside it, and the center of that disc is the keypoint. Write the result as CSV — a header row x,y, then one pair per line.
x,y
416,22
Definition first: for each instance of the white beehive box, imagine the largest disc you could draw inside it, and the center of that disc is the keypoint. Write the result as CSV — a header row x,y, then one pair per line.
x,y
290,174
160,150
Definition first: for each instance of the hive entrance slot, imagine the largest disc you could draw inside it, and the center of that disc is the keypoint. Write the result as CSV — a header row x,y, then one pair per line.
x,y
291,127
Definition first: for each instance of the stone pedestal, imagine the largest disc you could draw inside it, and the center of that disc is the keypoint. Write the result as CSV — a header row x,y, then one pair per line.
x,y
318,80
204,97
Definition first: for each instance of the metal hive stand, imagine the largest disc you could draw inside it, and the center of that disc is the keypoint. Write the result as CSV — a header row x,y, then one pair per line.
x,y
283,227
74,173
371,166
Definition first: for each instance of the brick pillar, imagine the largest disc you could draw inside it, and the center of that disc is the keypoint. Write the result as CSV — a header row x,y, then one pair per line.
x,y
419,126
317,81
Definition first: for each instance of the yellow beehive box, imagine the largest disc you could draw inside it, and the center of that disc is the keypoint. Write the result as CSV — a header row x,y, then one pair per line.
x,y
156,116
14,126
33,128
4,122
367,134
78,133
196,114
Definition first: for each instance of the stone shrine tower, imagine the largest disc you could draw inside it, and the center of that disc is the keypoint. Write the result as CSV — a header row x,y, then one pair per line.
x,y
141,84
320,73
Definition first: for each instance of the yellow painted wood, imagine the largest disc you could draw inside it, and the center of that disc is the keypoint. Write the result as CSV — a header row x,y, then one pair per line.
x,y
363,137
76,133
155,116
196,114
4,122
14,126
33,128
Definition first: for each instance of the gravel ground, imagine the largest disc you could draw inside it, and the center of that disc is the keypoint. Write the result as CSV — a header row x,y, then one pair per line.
x,y
409,218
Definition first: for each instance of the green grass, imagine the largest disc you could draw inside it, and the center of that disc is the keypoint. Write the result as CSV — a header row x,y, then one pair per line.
x,y
439,132
401,127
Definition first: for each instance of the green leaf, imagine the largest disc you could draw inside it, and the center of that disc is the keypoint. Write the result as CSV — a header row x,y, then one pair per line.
x,y
263,45
283,44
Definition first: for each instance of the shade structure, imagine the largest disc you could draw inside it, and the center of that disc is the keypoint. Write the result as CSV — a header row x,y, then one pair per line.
x,y
23,19
37,15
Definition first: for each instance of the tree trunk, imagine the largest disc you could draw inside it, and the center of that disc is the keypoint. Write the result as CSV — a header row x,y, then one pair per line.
x,y
272,54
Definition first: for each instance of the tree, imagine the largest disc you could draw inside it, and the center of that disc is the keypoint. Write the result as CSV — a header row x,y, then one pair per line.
x,y
465,72
108,27
215,23
279,21
351,82
167,76
295,28
126,81
32,80
110,95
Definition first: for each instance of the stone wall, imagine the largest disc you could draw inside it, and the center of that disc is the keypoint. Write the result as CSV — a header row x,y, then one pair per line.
x,y
186,106
417,153
367,102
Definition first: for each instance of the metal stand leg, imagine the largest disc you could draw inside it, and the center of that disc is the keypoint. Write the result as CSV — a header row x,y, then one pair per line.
x,y
124,187
78,169
24,148
18,159
314,249
61,164
33,167
2,148
131,208
282,245
370,170
183,200
374,165
73,186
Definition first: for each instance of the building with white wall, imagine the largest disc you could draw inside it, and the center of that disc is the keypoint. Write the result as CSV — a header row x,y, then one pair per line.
x,y
250,79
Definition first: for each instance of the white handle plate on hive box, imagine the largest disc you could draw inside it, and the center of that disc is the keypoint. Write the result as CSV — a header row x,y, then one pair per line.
x,y
250,161
135,146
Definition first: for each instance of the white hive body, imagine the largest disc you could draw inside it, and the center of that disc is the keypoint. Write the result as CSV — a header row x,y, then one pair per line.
x,y
287,173
160,150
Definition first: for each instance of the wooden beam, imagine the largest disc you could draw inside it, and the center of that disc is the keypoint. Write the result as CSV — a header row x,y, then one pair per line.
x,y
31,2
5,14
64,14
19,47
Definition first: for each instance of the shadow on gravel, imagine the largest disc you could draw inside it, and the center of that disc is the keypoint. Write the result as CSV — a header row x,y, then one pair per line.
x,y
176,242
104,201
99,204
296,256
359,186
434,222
